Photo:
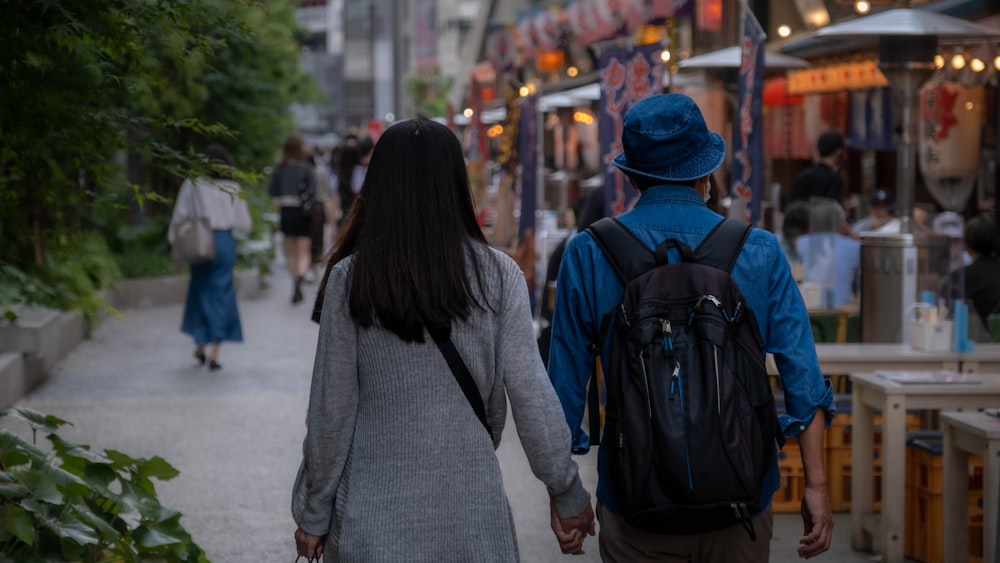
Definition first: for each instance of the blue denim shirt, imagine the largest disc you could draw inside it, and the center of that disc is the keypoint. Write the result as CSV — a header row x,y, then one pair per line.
x,y
587,288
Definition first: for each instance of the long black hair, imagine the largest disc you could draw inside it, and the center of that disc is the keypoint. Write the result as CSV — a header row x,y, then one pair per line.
x,y
411,234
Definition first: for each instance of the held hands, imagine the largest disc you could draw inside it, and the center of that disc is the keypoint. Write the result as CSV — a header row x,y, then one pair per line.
x,y
308,546
817,520
570,532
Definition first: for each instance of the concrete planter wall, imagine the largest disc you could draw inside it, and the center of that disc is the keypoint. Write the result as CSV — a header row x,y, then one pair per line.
x,y
142,293
40,338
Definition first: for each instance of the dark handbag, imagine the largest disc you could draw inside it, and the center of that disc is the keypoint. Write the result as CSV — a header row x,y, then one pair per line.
x,y
194,240
461,373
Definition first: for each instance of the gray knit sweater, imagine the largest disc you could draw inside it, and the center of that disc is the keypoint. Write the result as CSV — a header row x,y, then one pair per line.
x,y
396,466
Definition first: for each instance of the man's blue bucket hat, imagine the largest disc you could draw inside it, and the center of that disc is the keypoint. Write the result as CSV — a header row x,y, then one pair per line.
x,y
665,139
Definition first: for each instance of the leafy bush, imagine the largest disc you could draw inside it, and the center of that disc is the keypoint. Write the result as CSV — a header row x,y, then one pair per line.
x,y
73,504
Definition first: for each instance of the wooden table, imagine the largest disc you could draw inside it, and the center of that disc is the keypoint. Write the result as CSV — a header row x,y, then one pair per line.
x,y
870,391
983,358
856,358
969,433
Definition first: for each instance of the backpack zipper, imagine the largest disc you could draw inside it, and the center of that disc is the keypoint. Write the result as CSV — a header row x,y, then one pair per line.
x,y
673,382
668,341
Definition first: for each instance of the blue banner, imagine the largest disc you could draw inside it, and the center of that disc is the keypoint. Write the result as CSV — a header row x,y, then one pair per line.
x,y
627,76
528,155
747,174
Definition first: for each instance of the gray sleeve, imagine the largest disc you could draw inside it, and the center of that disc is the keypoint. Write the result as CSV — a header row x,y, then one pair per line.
x,y
333,400
537,413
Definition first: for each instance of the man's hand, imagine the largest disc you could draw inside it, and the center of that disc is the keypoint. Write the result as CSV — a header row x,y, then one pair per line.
x,y
817,519
308,545
570,532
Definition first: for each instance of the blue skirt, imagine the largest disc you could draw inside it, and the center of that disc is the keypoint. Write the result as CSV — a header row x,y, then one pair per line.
x,y
210,313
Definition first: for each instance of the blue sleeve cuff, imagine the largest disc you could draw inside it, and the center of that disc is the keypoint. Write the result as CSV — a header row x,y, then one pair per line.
x,y
793,426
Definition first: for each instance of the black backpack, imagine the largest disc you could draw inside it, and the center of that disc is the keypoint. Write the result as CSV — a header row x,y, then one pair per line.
x,y
690,421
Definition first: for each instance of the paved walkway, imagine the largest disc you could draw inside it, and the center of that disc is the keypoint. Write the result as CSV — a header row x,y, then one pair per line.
x,y
235,435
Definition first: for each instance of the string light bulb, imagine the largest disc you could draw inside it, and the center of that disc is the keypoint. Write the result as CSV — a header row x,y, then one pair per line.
x,y
977,65
467,112
862,7
958,61
996,62
665,55
938,61
784,30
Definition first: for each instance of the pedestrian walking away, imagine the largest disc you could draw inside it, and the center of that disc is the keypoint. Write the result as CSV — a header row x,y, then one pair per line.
x,y
211,315
668,156
293,194
425,336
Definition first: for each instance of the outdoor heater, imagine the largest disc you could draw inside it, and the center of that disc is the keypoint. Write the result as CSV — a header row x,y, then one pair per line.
x,y
895,266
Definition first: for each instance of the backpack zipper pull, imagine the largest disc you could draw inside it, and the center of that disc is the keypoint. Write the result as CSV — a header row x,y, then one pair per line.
x,y
668,341
673,380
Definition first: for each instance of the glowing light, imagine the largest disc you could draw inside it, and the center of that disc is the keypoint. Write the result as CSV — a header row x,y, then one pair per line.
x,y
495,131
958,61
467,112
996,62
969,106
862,7
938,61
572,71
523,91
665,55
977,65
583,117
784,30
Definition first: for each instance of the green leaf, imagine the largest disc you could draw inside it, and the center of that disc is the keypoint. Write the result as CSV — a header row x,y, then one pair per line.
x,y
38,421
157,467
19,522
14,450
162,533
108,532
14,491
65,526
120,460
66,450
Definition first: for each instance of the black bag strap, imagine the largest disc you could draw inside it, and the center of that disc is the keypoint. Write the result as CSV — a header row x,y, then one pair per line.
x,y
721,246
629,256
461,373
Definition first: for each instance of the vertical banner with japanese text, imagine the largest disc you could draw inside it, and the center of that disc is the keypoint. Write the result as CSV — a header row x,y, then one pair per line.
x,y
528,146
627,76
747,175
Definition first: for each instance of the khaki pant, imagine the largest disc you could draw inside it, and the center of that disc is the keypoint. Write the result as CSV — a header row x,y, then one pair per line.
x,y
621,542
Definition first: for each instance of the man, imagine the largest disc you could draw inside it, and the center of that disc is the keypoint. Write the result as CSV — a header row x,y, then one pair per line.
x,y
669,155
880,213
830,256
823,179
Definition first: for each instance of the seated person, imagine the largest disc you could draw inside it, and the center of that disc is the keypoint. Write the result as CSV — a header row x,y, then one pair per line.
x,y
830,257
980,279
879,215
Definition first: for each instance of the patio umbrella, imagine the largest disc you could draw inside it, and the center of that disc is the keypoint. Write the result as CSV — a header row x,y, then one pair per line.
x,y
729,58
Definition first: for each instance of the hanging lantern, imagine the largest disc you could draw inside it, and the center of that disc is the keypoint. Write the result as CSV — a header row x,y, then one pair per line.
x,y
950,135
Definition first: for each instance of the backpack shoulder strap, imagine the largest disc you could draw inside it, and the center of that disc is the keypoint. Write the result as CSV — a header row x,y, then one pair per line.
x,y
629,256
722,245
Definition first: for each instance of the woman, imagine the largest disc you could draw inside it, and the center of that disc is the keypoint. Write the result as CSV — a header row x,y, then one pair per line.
x,y
210,313
978,283
396,466
351,169
293,183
